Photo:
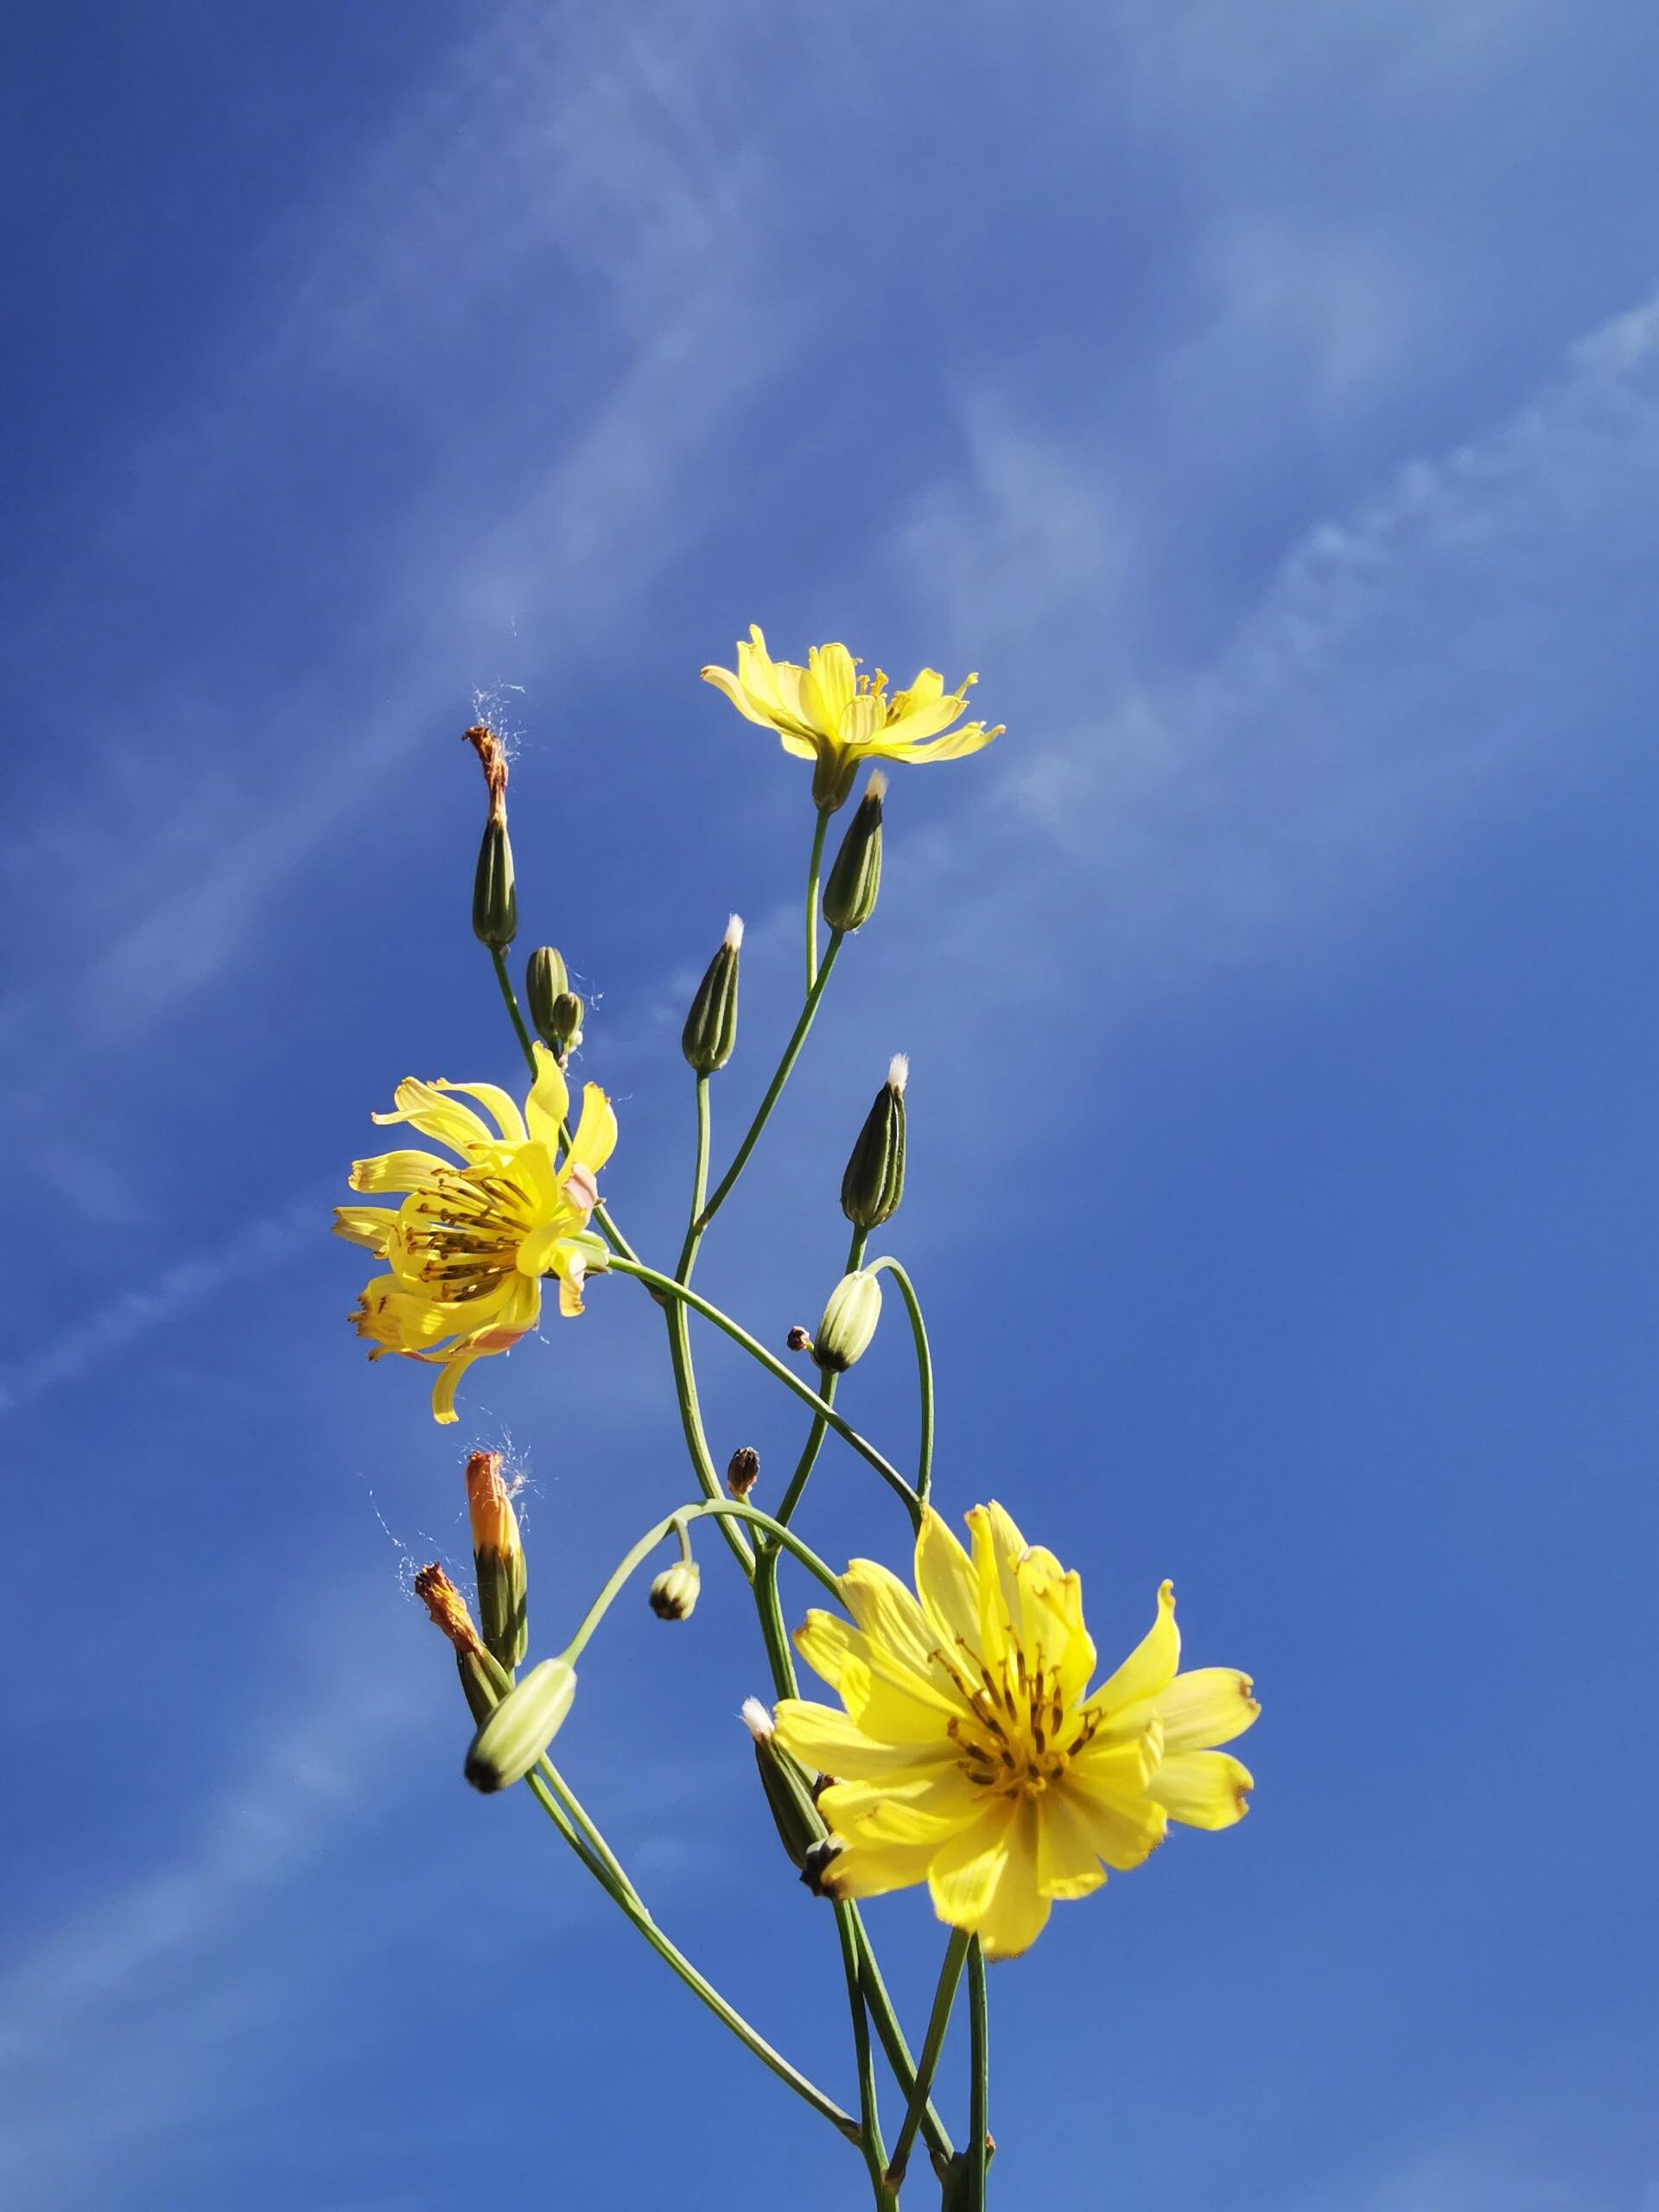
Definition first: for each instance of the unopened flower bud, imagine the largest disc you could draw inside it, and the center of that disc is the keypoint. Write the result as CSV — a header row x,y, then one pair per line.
x,y
521,1727
855,876
566,1022
710,1029
498,1559
875,1180
849,1321
545,981
788,1795
674,1594
495,902
743,1470
816,1865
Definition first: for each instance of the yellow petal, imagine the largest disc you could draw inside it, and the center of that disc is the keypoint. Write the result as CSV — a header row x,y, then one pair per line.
x,y
724,680
549,1100
948,1586
443,1390
955,744
1068,1865
988,1880
822,1738
883,1607
829,687
1106,1792
935,1800
1149,1668
595,1137
872,1870
1204,1789
398,1171
885,1698
426,1108
1210,1706
495,1102
371,1226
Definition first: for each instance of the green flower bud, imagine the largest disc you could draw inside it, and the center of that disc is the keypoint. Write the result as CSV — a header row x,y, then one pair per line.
x,y
521,1727
710,1029
495,902
478,1685
875,1180
849,1321
855,876
545,983
789,1794
498,1558
674,1594
566,1022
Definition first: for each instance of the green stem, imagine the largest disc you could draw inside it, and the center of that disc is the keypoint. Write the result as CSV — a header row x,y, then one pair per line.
x,y
667,1287
886,2020
924,1373
774,1089
955,1957
979,2078
813,868
729,1508
679,1349
870,2116
674,1957
499,959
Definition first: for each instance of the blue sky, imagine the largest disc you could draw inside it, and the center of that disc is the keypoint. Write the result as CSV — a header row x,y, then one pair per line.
x,y
1267,401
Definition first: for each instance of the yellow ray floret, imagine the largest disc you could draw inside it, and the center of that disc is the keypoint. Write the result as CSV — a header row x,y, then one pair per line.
x,y
970,1754
829,713
466,1249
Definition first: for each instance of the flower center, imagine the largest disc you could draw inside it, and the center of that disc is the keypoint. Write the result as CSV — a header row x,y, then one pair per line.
x,y
1017,1736
460,1232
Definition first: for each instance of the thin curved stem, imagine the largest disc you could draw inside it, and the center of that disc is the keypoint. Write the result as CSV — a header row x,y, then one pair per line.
x,y
730,1507
667,1287
814,868
679,1348
774,1089
924,1373
978,2080
673,1956
885,2021
944,1996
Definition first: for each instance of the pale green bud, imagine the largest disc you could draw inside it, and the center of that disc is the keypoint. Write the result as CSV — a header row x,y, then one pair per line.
x,y
566,1023
522,1726
545,983
849,1321
710,1031
788,1787
673,1595
854,878
495,901
875,1180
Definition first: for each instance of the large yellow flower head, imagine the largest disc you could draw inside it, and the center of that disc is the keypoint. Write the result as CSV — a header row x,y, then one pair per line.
x,y
467,1248
829,713
972,1755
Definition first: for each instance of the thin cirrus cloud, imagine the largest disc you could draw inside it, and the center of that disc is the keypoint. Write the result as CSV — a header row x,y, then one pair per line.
x,y
1336,744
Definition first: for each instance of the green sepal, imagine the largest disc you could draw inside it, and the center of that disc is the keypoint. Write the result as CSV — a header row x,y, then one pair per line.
x,y
854,878
495,901
874,1182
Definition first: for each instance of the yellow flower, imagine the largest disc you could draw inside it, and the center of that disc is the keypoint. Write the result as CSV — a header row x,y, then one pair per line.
x,y
971,1755
827,714
467,1248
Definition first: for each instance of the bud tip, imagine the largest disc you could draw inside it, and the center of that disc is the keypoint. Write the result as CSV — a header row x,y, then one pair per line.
x,y
898,1072
734,932
758,1720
